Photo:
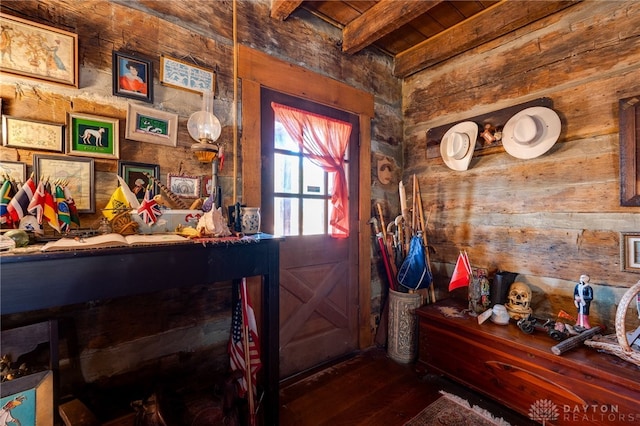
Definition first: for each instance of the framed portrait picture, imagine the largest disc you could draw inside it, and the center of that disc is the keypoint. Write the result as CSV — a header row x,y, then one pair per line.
x,y
13,170
93,136
184,186
31,134
54,58
183,75
132,76
630,252
151,125
77,171
134,175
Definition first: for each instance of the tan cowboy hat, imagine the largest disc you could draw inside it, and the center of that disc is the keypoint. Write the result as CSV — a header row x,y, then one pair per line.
x,y
531,132
458,144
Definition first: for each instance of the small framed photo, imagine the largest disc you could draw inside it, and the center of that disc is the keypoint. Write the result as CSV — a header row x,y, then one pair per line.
x,y
31,134
184,186
630,252
13,170
132,77
206,186
134,175
77,171
183,75
151,125
93,136
39,52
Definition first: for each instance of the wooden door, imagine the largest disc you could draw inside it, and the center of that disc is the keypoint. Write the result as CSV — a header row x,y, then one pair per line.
x,y
318,273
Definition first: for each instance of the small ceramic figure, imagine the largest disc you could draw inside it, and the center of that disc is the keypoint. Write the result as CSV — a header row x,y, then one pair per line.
x,y
582,297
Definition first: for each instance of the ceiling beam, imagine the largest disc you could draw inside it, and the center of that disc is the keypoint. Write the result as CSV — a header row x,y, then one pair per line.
x,y
491,23
380,20
281,9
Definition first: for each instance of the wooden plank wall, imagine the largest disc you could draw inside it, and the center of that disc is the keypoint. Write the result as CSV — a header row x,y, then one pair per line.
x,y
198,31
554,217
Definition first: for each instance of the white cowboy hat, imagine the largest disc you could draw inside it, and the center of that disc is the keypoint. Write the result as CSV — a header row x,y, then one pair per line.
x,y
531,132
458,144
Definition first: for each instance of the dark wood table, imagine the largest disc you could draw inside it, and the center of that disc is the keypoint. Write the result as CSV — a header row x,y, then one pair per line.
x,y
41,280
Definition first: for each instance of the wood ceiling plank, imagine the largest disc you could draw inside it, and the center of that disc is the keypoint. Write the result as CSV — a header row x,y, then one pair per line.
x,y
474,32
281,9
380,20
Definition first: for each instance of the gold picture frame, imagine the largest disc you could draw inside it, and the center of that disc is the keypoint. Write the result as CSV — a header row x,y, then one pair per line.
x,y
39,51
77,171
630,252
183,75
93,136
32,134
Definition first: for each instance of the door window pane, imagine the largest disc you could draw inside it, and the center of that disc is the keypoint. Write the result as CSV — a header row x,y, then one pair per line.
x,y
286,178
282,139
313,220
287,216
313,178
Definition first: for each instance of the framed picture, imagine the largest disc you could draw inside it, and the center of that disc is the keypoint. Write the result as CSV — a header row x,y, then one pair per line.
x,y
53,58
630,252
14,170
132,77
134,175
184,186
629,146
183,75
77,171
151,125
93,136
30,398
206,186
31,134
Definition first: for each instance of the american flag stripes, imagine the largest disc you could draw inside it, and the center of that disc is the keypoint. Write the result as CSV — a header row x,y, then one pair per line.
x,y
243,315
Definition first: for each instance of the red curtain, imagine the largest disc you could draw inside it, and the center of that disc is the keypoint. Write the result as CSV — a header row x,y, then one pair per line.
x,y
325,141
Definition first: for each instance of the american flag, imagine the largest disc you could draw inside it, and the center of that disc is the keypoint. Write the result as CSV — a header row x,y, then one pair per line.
x,y
149,210
243,314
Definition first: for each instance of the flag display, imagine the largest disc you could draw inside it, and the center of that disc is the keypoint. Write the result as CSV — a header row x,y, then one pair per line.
x,y
149,210
243,318
50,210
36,206
117,202
64,215
461,273
19,204
73,209
6,192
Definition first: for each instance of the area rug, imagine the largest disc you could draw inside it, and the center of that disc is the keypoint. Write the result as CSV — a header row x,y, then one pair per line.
x,y
451,410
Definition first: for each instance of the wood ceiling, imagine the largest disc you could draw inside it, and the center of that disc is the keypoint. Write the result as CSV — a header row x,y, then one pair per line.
x,y
420,33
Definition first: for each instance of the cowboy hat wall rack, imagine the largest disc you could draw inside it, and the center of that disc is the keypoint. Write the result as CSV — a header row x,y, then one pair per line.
x,y
524,131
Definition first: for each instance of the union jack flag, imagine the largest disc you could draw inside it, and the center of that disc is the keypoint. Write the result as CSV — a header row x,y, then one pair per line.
x,y
149,210
243,315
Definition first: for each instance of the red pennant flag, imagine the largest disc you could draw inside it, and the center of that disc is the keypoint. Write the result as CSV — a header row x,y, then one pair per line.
x,y
461,273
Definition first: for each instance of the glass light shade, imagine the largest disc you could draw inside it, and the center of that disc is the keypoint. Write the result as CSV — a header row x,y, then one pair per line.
x,y
203,126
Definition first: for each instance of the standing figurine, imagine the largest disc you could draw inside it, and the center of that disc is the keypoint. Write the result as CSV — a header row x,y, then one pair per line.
x,y
582,297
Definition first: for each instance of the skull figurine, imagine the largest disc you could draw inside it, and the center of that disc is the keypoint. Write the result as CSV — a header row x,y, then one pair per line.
x,y
519,304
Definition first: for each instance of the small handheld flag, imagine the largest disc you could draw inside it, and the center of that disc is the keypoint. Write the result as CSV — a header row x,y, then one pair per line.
x,y
462,273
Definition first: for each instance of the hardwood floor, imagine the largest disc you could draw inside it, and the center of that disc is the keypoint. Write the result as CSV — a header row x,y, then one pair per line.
x,y
371,389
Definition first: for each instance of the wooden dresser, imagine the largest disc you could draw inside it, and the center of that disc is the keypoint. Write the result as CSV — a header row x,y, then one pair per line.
x,y
519,370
